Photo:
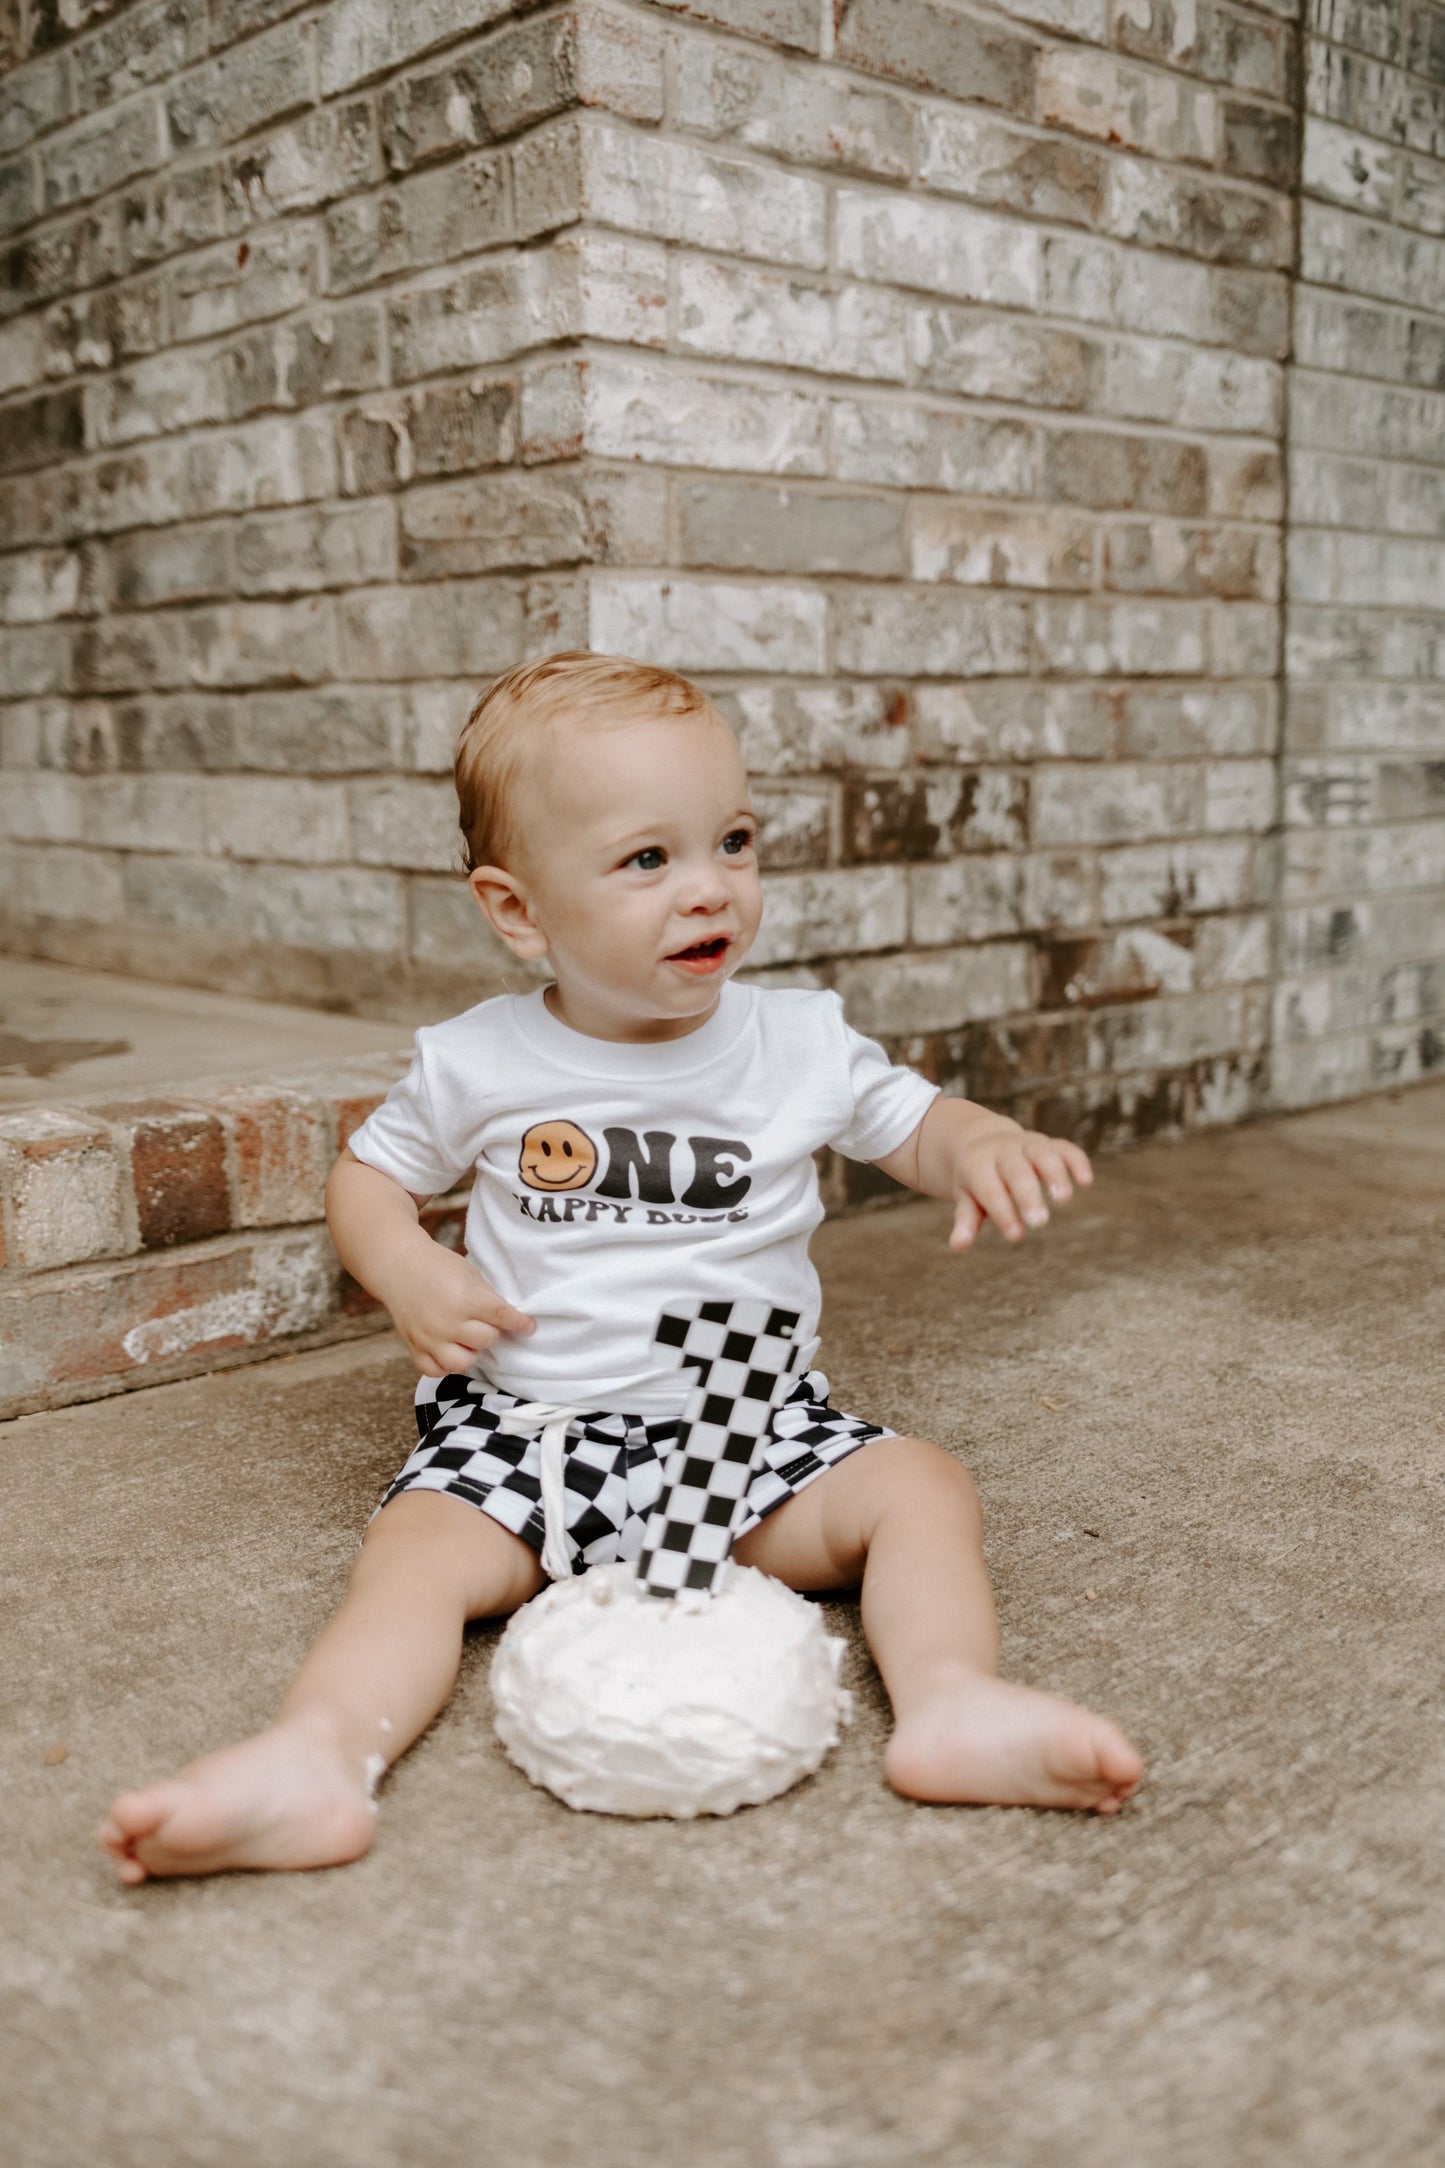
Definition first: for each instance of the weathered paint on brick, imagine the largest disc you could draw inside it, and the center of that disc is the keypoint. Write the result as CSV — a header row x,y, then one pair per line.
x,y
914,371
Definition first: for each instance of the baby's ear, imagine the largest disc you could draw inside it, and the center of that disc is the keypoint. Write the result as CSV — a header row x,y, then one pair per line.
x,y
503,903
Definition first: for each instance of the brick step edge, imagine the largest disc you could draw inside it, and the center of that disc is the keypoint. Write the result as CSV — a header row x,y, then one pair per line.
x,y
150,1238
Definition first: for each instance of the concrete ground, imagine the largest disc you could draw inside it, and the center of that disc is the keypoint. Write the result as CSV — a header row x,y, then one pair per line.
x,y
1205,1413
67,1034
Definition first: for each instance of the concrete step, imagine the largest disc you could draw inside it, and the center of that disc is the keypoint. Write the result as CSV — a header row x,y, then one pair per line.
x,y
1204,1416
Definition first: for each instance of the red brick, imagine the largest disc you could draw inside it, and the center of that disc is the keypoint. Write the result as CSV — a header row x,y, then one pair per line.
x,y
280,1153
88,1330
178,1159
67,1188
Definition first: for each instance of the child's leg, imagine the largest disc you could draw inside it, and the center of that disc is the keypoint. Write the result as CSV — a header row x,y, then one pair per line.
x,y
299,1795
905,1518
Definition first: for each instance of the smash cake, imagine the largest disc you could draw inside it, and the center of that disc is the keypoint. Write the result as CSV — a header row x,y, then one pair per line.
x,y
700,1704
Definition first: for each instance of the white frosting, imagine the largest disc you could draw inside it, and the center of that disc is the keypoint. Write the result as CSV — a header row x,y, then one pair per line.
x,y
631,1704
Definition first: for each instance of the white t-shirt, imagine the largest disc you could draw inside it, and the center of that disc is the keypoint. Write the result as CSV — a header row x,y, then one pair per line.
x,y
612,1178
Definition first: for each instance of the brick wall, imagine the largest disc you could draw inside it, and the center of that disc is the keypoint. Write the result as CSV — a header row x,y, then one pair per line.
x,y
911,372
1361,997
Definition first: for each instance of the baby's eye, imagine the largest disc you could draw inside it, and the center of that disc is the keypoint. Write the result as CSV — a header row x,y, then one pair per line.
x,y
737,841
649,860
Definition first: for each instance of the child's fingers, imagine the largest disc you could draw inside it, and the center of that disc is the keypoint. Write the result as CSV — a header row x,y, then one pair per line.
x,y
991,1192
1025,1189
1075,1159
508,1318
967,1219
443,1358
1049,1165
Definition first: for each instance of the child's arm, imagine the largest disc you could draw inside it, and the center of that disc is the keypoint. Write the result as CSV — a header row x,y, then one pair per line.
x,y
439,1303
988,1166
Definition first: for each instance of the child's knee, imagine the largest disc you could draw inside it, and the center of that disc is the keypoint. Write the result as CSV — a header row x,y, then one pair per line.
x,y
932,1477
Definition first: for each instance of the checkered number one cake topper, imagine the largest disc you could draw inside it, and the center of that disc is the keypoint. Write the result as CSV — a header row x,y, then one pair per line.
x,y
745,1356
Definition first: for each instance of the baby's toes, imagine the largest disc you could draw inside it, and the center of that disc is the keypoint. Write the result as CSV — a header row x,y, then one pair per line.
x,y
1119,1768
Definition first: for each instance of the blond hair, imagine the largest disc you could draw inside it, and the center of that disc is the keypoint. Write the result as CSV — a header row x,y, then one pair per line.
x,y
526,700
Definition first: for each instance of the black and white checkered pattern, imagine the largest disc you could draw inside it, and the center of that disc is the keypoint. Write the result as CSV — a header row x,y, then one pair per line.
x,y
471,1446
744,1355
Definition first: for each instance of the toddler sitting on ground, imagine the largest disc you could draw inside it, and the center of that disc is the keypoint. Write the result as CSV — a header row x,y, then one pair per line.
x,y
642,1127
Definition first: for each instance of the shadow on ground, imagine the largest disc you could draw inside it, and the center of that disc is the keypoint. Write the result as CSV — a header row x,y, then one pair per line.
x,y
1205,1414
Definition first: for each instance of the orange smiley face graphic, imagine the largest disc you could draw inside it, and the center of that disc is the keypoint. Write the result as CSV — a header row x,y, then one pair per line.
x,y
557,1155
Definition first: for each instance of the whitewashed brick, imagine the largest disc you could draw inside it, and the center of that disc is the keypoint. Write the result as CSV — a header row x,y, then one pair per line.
x,y
935,991
220,288
1059,890
462,628
1244,639
798,729
363,38
702,625
1094,639
406,822
1350,168
37,96
790,110
1365,256
750,315
1170,1032
101,152
1078,18
1314,1073
42,585
1005,719
1239,795
922,633
602,285
1403,718
676,192
1186,878
1101,94
637,411
1197,719
984,546
940,247
934,448
145,812
446,930
78,885
327,907
1012,357
1159,380
1115,803
260,643
42,808
829,914
347,545
967,899
1232,951
1098,282
22,354
277,818
1379,419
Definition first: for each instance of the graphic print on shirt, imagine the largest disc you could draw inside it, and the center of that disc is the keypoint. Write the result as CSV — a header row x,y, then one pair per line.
x,y
558,1156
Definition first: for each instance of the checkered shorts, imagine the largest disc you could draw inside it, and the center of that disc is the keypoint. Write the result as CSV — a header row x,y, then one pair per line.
x,y
612,1463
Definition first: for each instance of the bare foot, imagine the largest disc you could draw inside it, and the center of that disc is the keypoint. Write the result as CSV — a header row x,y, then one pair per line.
x,y
980,1740
287,1798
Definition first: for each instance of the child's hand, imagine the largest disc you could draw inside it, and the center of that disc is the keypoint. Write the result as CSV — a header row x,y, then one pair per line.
x,y
445,1311
1001,1172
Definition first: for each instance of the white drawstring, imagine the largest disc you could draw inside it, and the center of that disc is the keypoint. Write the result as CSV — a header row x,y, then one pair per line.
x,y
552,1419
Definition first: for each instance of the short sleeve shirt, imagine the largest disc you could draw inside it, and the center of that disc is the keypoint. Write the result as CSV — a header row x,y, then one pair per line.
x,y
612,1178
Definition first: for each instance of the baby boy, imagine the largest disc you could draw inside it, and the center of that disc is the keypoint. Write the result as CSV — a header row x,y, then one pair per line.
x,y
641,1128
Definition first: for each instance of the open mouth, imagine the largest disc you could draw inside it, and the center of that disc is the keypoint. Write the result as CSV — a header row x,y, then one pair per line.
x,y
703,955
